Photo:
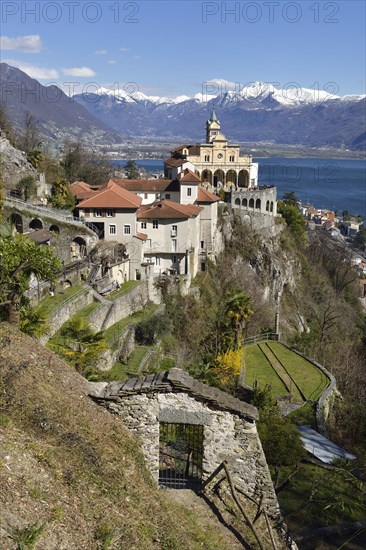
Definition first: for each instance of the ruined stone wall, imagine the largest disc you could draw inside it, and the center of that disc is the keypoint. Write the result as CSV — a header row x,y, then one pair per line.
x,y
226,437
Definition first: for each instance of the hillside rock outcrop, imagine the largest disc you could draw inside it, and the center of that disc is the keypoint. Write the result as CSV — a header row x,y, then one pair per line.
x,y
13,163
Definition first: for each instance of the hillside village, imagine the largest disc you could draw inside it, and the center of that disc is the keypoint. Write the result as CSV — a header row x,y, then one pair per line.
x,y
136,250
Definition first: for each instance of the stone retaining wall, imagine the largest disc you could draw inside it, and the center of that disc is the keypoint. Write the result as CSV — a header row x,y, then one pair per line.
x,y
125,305
64,312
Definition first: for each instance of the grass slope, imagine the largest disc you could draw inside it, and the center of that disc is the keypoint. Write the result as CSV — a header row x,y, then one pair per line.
x,y
258,369
311,380
71,476
49,304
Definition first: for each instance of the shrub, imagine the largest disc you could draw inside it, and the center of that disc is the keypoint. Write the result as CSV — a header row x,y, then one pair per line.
x,y
149,329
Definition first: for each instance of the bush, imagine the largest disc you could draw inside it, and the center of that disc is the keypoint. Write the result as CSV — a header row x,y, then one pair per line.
x,y
280,438
149,329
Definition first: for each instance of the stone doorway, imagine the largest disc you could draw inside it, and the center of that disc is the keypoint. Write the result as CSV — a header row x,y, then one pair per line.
x,y
180,456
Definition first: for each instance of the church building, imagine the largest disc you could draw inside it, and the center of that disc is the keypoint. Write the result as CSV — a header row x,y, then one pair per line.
x,y
216,162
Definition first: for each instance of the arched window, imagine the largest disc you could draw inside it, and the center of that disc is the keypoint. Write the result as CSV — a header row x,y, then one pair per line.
x,y
245,202
271,206
237,201
258,204
251,203
55,229
267,206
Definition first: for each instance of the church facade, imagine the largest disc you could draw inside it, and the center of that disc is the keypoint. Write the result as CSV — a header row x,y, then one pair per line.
x,y
216,162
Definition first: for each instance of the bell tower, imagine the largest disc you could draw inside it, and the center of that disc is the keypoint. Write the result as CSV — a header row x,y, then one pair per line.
x,y
212,127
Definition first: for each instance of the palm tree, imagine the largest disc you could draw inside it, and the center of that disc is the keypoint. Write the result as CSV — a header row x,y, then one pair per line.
x,y
80,344
237,311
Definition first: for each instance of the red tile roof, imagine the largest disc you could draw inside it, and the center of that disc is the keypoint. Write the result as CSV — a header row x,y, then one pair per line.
x,y
168,210
148,185
112,196
192,150
141,236
82,190
175,162
190,177
206,196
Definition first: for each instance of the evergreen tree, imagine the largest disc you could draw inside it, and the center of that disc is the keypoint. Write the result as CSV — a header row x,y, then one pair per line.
x,y
132,170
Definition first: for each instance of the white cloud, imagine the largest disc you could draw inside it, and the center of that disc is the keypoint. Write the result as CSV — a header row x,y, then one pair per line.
x,y
124,50
40,73
225,84
31,43
78,71
111,62
101,52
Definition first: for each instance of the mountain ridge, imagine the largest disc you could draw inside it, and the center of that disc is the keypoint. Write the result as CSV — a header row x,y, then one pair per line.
x,y
58,116
256,113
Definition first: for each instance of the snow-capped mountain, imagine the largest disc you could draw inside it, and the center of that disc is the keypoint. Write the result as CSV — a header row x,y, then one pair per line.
x,y
257,112
291,95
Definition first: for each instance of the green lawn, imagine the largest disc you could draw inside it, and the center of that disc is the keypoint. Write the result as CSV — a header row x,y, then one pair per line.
x,y
281,372
258,369
50,303
311,380
122,290
117,328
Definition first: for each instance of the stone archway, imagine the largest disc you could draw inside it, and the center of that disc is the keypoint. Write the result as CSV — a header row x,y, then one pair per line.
x,y
78,248
206,176
17,221
231,177
243,178
219,178
55,229
36,223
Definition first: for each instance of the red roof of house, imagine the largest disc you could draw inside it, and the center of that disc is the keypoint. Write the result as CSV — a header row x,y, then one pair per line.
x,y
112,196
141,236
141,185
206,196
82,190
175,162
168,210
190,177
192,149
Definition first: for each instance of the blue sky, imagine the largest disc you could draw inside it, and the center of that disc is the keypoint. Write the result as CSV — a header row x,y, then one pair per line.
x,y
171,48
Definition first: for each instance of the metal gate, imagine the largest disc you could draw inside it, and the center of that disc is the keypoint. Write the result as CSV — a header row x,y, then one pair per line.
x,y
180,456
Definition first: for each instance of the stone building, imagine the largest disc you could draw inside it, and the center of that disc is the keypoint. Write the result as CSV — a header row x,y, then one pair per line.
x,y
187,429
216,162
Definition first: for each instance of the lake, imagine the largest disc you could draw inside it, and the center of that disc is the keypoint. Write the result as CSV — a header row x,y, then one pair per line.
x,y
336,184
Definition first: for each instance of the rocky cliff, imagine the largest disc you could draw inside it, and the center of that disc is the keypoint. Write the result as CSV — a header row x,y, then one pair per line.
x,y
13,163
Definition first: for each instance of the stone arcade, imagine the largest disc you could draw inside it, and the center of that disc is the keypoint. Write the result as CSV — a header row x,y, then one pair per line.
x,y
148,403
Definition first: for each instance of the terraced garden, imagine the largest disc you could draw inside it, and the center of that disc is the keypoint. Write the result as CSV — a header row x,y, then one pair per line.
x,y
286,372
